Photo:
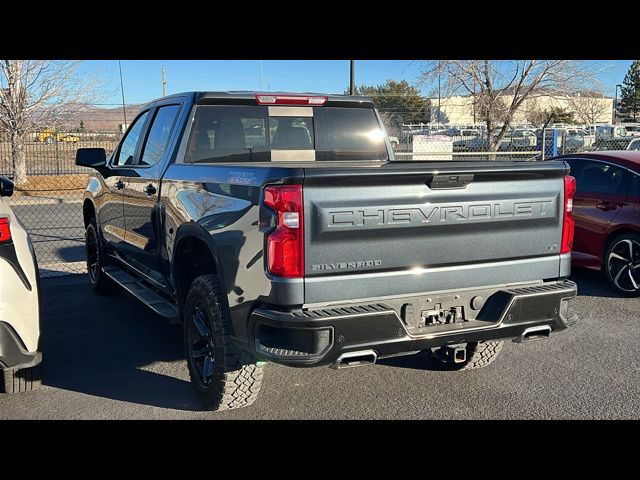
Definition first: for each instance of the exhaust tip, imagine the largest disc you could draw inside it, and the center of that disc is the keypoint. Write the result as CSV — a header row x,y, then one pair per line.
x,y
356,359
535,333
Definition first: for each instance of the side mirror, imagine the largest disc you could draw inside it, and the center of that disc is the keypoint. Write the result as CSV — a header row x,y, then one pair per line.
x,y
6,187
91,157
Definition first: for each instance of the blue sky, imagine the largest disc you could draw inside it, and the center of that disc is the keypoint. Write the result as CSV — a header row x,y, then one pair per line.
x,y
142,78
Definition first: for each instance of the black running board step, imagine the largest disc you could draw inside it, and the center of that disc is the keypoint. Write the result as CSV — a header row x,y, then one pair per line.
x,y
143,293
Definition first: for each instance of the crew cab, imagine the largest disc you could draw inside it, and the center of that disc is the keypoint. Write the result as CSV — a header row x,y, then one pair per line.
x,y
280,228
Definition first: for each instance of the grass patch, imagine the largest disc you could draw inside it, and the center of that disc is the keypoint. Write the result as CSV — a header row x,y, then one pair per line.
x,y
48,185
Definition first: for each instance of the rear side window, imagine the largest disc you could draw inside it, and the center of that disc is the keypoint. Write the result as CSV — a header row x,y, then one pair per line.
x,y
598,177
250,134
229,134
159,134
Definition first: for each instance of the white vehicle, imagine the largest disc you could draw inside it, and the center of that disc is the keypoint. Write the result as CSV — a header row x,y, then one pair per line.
x,y
610,131
19,303
633,129
523,138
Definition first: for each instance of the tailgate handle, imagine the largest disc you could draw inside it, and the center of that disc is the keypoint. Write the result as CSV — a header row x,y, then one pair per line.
x,y
450,181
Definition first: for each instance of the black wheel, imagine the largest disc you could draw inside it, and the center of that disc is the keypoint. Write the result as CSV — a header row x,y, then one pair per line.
x,y
622,264
225,375
21,380
99,282
478,355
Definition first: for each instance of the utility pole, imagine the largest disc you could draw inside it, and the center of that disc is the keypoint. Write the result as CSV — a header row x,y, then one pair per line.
x,y
164,83
124,111
261,78
352,82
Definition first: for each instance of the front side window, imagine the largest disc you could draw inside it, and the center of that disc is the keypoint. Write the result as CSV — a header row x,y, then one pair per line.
x,y
159,134
128,147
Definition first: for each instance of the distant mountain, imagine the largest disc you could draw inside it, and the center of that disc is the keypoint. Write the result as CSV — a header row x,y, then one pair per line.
x,y
100,119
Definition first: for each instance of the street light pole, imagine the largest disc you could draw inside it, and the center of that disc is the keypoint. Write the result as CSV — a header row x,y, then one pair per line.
x,y
352,82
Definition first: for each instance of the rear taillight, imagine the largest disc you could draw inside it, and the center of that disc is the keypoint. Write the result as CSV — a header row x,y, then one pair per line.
x,y
5,230
285,244
290,100
568,224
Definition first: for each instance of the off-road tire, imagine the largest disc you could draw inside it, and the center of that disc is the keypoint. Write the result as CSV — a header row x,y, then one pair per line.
x,y
237,376
479,355
98,281
21,380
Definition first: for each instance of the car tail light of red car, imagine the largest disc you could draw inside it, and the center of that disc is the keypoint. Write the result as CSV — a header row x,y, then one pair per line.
x,y
5,229
285,244
568,224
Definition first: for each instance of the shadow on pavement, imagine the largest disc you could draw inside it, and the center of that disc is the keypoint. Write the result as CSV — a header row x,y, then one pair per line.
x,y
74,253
103,346
592,283
418,361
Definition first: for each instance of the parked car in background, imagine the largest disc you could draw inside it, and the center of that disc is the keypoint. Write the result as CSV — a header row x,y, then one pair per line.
x,y
576,139
610,131
633,129
606,210
625,143
19,303
463,133
523,138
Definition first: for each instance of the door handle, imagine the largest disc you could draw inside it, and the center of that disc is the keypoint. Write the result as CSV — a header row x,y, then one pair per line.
x,y
150,190
119,185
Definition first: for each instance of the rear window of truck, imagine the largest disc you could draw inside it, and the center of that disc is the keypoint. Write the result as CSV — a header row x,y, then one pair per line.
x,y
235,133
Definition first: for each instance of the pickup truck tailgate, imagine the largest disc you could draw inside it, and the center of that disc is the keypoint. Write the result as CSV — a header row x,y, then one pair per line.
x,y
404,228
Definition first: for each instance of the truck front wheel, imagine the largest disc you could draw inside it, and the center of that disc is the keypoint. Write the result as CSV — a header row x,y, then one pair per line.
x,y
225,375
478,355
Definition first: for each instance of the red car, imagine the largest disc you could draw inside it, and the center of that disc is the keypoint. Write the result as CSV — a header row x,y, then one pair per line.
x,y
606,210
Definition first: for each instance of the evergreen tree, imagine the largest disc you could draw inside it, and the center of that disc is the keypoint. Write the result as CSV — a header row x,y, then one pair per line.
x,y
630,100
398,102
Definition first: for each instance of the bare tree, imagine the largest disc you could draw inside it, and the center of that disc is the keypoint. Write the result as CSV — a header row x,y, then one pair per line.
x,y
589,107
36,93
502,86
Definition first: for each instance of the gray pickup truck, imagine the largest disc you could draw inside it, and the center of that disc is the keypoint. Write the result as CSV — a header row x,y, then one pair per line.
x,y
280,227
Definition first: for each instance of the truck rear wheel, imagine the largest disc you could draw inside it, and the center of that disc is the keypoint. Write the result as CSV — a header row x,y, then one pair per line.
x,y
478,355
225,375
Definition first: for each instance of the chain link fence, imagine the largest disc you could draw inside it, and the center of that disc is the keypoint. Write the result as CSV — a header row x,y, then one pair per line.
x,y
50,203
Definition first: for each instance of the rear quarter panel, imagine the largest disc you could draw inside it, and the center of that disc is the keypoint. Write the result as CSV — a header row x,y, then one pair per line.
x,y
222,205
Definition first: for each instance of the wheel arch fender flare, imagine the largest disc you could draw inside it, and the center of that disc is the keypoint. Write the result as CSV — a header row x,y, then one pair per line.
x,y
193,230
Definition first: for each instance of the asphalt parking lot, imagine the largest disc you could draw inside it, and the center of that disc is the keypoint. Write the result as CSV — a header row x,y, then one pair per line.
x,y
111,358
